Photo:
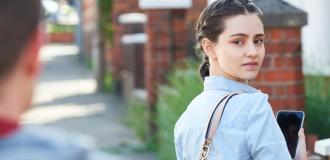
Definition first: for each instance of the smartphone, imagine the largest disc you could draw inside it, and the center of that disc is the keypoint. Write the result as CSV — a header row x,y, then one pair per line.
x,y
290,123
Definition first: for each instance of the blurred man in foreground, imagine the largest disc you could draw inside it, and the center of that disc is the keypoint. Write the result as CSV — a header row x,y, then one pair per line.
x,y
20,40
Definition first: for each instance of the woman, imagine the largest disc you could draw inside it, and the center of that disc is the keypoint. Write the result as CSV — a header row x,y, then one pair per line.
x,y
231,36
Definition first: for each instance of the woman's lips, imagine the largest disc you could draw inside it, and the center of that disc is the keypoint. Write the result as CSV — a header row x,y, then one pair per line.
x,y
251,66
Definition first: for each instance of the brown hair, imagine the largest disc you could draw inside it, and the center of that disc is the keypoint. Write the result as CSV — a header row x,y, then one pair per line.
x,y
211,23
18,20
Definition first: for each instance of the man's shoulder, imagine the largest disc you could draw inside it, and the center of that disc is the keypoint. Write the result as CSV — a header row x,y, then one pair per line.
x,y
45,143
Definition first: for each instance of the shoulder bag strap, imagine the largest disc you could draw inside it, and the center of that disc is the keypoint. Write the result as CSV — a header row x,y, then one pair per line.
x,y
214,123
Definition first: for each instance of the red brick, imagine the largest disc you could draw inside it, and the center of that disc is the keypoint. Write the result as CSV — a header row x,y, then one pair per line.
x,y
60,37
260,77
287,75
180,55
267,62
264,88
293,33
277,34
279,91
268,33
289,103
179,26
178,14
292,47
194,12
274,47
288,62
295,89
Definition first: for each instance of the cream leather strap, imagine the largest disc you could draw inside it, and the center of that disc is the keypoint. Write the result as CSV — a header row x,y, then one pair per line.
x,y
214,123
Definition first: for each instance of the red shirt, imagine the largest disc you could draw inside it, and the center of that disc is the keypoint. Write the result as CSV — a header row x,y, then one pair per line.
x,y
7,127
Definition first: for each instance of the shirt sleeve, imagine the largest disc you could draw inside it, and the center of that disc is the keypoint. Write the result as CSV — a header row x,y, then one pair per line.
x,y
265,140
178,146
178,151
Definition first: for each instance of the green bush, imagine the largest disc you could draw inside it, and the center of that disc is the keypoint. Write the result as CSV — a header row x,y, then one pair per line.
x,y
137,117
105,7
57,28
317,90
183,86
108,83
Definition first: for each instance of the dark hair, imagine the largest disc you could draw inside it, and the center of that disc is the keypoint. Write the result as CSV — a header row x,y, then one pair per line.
x,y
18,20
211,23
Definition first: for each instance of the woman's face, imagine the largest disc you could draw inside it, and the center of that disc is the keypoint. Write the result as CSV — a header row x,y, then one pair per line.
x,y
240,48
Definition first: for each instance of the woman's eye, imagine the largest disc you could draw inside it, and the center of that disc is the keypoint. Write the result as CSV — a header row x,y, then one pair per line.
x,y
259,41
238,42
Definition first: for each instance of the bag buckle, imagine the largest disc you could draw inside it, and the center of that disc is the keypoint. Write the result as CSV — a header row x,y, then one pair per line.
x,y
205,152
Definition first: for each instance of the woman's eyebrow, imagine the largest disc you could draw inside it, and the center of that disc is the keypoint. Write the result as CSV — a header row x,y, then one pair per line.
x,y
246,35
260,35
239,34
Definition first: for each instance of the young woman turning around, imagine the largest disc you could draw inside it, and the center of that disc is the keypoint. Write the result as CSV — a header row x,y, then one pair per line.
x,y
231,36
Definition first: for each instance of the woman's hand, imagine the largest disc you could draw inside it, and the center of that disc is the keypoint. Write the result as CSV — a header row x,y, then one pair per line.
x,y
301,153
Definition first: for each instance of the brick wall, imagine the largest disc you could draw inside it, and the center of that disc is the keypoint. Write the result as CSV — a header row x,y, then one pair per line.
x,y
194,12
89,25
281,75
119,7
60,38
166,45
191,19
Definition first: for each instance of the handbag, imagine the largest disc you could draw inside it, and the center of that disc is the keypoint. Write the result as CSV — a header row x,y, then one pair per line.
x,y
214,123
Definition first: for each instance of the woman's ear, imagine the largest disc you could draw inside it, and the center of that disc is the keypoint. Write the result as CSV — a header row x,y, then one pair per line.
x,y
208,48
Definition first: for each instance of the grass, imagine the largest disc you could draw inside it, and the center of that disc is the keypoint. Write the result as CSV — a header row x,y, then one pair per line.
x,y
317,91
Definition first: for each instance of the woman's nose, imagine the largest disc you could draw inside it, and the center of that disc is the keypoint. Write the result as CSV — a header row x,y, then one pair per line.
x,y
251,50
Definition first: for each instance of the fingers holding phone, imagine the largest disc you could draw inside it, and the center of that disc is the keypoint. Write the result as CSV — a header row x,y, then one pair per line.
x,y
290,123
301,153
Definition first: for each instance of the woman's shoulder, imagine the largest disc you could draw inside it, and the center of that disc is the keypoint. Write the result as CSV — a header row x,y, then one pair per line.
x,y
258,103
252,101
256,97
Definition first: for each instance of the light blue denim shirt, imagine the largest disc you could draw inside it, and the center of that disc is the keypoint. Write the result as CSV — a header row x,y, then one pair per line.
x,y
248,129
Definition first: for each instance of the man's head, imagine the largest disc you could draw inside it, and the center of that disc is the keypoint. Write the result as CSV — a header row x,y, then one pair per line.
x,y
20,40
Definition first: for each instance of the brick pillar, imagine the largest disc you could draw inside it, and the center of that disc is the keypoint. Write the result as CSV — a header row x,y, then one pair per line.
x,y
281,75
166,44
89,21
191,20
119,7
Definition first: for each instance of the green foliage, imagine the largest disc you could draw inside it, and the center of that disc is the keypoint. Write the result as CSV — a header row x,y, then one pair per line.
x,y
183,86
88,63
137,117
317,90
105,7
57,28
108,82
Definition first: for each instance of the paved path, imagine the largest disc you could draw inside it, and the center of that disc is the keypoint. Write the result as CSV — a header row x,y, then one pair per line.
x,y
66,97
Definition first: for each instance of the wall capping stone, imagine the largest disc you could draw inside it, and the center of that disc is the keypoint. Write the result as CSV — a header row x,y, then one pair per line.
x,y
278,13
165,4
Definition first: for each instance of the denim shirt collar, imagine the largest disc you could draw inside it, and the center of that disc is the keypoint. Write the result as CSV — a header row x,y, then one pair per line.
x,y
222,83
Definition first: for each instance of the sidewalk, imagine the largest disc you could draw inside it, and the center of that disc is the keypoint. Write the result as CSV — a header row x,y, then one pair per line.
x,y
65,97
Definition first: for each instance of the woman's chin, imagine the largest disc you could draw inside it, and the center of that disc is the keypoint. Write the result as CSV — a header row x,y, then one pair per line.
x,y
250,76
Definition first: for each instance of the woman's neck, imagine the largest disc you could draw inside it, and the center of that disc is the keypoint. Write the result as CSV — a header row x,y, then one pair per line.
x,y
217,71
